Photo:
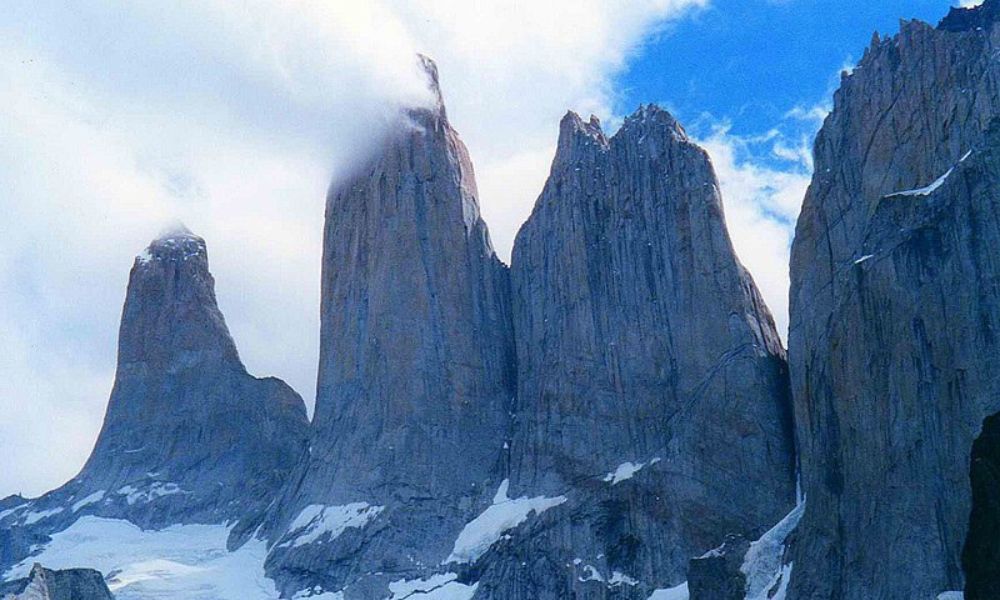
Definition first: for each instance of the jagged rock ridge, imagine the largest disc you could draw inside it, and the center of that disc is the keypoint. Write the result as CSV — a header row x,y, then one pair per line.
x,y
652,385
416,375
67,584
189,436
895,313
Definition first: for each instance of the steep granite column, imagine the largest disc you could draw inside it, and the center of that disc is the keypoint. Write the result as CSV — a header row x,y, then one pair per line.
x,y
189,436
416,376
895,313
652,385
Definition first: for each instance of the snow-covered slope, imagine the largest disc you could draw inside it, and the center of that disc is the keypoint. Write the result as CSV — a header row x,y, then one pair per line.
x,y
182,561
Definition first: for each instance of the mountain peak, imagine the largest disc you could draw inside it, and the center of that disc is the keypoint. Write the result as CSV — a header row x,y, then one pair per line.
x,y
430,69
174,243
575,135
651,118
188,434
436,110
176,229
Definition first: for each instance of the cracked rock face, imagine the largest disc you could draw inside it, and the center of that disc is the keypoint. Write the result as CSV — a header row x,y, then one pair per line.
x,y
895,314
416,375
189,436
652,385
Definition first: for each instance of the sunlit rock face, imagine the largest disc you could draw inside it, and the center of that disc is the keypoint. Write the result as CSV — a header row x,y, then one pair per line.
x,y
895,313
416,376
189,436
652,385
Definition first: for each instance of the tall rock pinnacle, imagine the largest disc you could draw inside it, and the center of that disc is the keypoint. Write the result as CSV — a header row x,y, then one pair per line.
x,y
652,386
189,436
894,316
416,375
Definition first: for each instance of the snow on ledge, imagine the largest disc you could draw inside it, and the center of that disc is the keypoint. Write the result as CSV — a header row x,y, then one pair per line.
x,y
20,507
619,578
317,593
36,516
679,592
157,489
317,520
91,499
627,470
436,587
930,189
504,514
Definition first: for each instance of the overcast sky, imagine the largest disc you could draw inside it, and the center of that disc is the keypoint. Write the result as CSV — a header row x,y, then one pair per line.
x,y
235,116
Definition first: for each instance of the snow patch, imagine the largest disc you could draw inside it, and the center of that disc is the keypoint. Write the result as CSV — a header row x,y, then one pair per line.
x,y
951,596
619,578
34,517
930,189
626,471
762,563
91,499
436,587
679,592
317,593
317,520
6,513
864,258
924,191
504,514
591,574
182,561
156,490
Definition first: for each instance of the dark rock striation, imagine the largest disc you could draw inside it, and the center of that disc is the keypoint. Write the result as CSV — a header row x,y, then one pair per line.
x,y
895,314
416,375
652,385
66,584
189,436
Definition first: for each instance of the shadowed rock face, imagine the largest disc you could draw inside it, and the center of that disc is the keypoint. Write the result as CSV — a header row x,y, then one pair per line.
x,y
717,575
895,316
981,553
189,436
416,374
642,342
67,584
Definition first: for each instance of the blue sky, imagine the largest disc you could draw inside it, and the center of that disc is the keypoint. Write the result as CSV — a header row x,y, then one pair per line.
x,y
752,61
234,117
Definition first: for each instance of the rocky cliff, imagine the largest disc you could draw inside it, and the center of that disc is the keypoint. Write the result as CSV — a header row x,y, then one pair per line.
x,y
67,584
416,375
189,436
652,385
895,313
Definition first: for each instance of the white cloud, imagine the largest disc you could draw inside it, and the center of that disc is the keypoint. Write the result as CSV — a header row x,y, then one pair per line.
x,y
762,196
233,116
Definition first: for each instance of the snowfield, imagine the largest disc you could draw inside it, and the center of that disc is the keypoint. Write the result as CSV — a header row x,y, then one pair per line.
x,y
182,561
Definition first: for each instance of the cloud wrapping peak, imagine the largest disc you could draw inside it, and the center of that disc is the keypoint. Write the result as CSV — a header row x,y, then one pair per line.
x,y
234,117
